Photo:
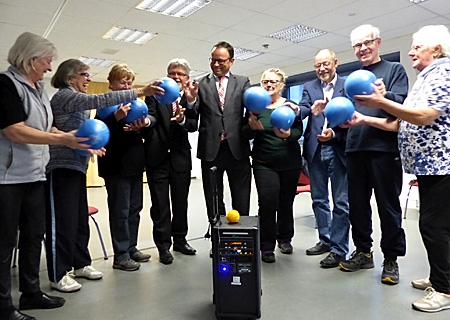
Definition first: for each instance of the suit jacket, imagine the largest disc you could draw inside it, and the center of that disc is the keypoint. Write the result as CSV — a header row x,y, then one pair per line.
x,y
163,136
213,119
313,91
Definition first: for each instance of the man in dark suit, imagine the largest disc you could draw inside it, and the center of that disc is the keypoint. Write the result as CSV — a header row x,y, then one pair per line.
x,y
324,150
168,166
220,142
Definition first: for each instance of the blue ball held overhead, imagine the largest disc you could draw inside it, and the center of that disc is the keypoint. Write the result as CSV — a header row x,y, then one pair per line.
x,y
106,112
359,82
256,99
338,111
171,91
282,117
96,131
138,109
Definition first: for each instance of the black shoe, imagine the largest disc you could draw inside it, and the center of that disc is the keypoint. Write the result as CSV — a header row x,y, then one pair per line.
x,y
285,247
139,256
357,260
319,248
17,315
390,273
165,257
267,256
184,248
126,265
40,300
332,260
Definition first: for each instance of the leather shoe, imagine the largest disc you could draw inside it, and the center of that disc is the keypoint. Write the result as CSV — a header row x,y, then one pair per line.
x,y
165,257
184,248
17,315
331,261
40,300
319,248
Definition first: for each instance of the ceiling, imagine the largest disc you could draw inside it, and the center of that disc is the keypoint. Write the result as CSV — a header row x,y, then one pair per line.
x,y
79,28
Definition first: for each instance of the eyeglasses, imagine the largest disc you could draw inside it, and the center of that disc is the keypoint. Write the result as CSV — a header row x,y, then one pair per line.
x,y
365,43
85,74
266,82
219,61
325,64
175,74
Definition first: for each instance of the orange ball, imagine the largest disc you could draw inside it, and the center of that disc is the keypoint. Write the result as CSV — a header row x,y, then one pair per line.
x,y
233,216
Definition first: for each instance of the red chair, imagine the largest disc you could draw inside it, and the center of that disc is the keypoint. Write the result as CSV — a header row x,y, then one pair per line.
x,y
412,183
303,184
92,211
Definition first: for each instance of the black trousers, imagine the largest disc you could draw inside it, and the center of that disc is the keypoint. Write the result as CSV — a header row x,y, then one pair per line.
x,y
239,179
276,194
22,206
434,225
380,172
67,223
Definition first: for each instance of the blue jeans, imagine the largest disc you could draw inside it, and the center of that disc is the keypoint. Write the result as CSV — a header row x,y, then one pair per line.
x,y
333,226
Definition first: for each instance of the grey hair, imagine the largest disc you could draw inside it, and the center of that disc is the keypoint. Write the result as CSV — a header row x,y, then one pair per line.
x,y
365,29
432,36
66,70
28,46
179,62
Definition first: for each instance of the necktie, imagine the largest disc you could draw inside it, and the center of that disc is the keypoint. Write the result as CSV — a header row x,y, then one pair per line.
x,y
327,94
174,108
221,92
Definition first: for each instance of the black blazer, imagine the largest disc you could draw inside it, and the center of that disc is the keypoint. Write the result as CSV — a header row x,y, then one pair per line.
x,y
213,119
313,91
163,136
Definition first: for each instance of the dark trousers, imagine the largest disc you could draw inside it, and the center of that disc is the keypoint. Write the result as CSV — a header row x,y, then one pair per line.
x,y
239,179
382,173
276,193
162,181
434,224
22,206
125,202
67,233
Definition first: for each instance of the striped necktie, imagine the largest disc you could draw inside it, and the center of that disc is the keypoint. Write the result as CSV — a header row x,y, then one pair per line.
x,y
221,91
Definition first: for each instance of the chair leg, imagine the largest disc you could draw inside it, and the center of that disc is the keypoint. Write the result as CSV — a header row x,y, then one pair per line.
x,y
105,255
406,204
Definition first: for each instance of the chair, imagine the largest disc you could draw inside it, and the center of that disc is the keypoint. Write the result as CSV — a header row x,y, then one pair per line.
x,y
412,183
303,184
92,211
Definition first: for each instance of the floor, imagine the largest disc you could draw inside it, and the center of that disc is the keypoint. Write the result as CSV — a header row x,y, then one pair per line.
x,y
294,287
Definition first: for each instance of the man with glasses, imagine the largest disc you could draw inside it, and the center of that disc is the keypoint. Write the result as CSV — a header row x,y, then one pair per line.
x,y
168,165
373,164
220,142
324,150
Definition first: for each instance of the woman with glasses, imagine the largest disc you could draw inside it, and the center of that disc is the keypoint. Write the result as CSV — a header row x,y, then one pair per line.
x,y
67,211
276,167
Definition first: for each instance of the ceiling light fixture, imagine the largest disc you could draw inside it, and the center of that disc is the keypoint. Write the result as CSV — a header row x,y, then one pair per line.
x,y
245,54
297,33
97,62
119,33
417,1
175,8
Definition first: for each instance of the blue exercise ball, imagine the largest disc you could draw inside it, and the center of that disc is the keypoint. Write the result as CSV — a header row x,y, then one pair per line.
x,y
256,99
282,117
138,109
106,112
339,110
359,82
96,131
171,91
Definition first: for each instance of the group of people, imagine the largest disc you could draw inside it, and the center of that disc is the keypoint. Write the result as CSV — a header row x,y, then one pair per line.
x,y
43,185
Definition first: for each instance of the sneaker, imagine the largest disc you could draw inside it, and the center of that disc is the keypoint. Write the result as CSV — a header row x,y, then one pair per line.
x,y
285,247
126,265
139,256
319,248
421,284
332,260
66,284
268,256
357,260
433,301
390,272
88,272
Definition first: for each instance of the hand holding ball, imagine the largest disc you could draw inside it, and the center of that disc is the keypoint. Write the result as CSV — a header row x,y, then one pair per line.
x,y
171,91
233,216
138,109
96,131
282,118
338,111
359,82
256,99
106,112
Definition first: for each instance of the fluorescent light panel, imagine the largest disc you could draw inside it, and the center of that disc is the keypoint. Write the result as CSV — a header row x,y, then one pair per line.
x,y
97,62
297,33
119,33
175,8
417,1
245,54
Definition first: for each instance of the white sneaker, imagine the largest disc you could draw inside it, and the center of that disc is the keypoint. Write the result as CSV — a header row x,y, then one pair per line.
x,y
66,284
88,272
421,284
433,302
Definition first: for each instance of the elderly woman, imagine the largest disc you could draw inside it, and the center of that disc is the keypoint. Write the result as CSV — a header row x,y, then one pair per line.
x,y
67,234
276,167
424,142
25,132
122,168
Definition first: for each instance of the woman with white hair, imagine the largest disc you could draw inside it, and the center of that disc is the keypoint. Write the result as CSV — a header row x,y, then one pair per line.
x,y
424,142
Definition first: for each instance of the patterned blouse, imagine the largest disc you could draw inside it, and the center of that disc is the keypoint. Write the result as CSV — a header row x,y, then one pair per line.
x,y
425,150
